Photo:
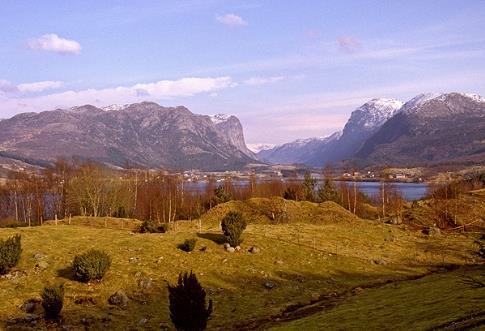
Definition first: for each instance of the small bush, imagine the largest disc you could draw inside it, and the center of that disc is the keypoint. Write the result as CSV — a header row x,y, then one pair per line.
x,y
188,310
233,225
52,301
10,251
91,265
153,227
188,245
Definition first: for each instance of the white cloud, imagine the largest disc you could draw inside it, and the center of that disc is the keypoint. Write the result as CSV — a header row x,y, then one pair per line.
x,y
255,81
53,43
39,86
7,87
164,89
231,20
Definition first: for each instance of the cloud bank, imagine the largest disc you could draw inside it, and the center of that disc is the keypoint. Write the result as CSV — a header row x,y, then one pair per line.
x,y
164,89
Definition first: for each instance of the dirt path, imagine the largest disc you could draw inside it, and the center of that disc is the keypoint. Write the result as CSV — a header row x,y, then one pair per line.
x,y
327,302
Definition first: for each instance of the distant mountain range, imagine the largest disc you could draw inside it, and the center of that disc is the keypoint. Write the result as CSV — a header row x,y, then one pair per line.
x,y
138,135
430,128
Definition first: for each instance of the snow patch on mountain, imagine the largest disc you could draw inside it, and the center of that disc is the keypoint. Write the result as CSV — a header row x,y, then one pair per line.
x,y
219,118
373,114
115,107
256,148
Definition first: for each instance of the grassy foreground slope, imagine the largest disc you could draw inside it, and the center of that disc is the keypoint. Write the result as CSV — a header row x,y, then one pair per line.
x,y
302,262
442,301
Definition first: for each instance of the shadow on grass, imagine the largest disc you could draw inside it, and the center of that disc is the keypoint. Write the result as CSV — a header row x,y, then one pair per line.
x,y
215,237
66,273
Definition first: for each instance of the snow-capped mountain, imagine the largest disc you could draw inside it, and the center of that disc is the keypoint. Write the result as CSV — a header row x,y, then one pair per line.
x,y
299,151
430,127
371,115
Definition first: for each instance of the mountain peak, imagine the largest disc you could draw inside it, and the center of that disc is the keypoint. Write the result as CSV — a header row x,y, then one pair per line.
x,y
372,114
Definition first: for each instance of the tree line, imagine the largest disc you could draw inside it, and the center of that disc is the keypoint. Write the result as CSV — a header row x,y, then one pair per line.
x,y
90,189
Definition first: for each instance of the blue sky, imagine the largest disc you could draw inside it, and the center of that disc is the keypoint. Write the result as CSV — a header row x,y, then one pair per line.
x,y
287,69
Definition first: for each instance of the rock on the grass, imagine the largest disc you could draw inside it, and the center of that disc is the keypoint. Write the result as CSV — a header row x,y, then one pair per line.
x,y
38,256
134,260
145,283
31,305
119,298
270,285
432,231
231,249
237,248
278,262
255,250
227,245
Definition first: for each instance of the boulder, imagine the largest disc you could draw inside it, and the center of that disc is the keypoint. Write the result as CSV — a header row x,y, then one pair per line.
x,y
230,249
269,285
255,250
432,231
119,298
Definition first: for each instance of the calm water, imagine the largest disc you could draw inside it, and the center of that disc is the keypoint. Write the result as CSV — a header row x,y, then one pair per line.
x,y
410,191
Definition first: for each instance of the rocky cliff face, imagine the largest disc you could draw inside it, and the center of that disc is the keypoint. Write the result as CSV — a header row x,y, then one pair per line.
x,y
231,128
143,134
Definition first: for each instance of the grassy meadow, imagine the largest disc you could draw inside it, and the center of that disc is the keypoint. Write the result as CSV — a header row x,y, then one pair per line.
x,y
302,264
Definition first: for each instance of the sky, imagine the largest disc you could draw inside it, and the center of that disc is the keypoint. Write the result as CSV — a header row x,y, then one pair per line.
x,y
286,69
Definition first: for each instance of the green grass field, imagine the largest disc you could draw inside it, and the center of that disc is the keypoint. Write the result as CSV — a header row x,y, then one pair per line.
x,y
306,262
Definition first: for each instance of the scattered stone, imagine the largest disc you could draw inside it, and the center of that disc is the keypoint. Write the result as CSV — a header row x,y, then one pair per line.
x,y
278,262
14,275
31,305
380,262
134,260
138,274
160,260
142,321
394,220
119,298
227,245
85,301
38,256
42,265
145,283
481,252
358,290
254,250
230,249
237,248
269,285
224,261
432,231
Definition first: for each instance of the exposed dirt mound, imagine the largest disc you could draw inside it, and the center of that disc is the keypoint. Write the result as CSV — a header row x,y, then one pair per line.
x,y
278,210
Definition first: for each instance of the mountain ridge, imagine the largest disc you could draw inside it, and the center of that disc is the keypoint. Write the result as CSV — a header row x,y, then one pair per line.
x,y
143,134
